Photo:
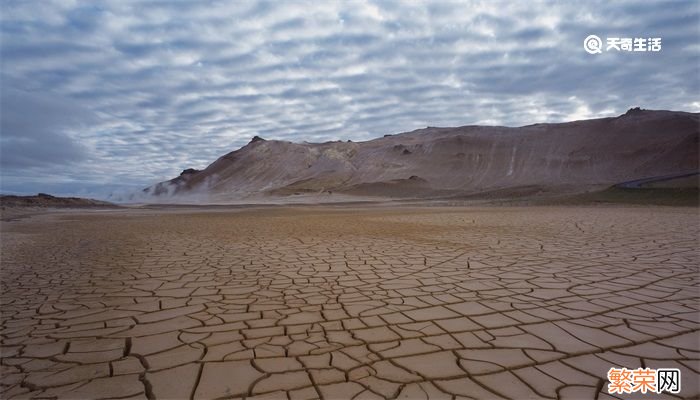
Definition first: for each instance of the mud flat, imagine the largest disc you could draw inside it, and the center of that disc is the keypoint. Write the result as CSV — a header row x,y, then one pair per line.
x,y
347,301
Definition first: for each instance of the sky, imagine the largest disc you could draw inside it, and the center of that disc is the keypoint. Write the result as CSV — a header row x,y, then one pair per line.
x,y
107,97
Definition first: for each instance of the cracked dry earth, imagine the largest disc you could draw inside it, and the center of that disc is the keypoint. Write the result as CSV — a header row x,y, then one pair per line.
x,y
335,303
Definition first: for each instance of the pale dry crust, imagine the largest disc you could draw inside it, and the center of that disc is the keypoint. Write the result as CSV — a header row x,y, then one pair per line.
x,y
347,303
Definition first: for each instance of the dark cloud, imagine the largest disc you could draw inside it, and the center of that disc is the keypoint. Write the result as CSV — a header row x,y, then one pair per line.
x,y
95,95
36,130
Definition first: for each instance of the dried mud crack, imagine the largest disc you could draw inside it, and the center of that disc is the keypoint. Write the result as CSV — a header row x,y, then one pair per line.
x,y
340,302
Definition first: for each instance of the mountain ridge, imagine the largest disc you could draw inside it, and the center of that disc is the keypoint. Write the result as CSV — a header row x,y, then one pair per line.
x,y
444,161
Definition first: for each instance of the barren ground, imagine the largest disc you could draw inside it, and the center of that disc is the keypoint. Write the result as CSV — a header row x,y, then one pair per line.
x,y
341,302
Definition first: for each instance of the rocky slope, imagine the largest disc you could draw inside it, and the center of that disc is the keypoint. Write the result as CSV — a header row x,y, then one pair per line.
x,y
442,162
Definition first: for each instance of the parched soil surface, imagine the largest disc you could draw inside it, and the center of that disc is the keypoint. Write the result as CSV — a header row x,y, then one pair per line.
x,y
343,302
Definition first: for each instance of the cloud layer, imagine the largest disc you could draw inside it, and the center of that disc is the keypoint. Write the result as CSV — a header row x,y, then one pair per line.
x,y
99,96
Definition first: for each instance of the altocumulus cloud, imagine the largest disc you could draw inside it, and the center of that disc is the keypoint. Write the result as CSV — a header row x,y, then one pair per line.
x,y
102,96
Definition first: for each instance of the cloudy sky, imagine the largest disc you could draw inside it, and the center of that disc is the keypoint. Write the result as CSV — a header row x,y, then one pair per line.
x,y
110,96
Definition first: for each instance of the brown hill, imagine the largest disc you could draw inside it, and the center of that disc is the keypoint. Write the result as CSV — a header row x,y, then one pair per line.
x,y
47,200
442,162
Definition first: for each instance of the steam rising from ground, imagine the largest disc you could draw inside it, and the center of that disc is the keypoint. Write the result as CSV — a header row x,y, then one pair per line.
x,y
175,191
